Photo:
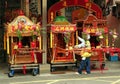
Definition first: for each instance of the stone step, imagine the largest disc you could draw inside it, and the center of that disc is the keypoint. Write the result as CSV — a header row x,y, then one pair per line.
x,y
44,68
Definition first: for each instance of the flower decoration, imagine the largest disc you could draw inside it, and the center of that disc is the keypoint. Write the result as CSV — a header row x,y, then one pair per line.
x,y
34,32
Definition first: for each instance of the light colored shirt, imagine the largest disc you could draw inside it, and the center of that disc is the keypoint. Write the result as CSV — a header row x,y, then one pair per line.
x,y
82,44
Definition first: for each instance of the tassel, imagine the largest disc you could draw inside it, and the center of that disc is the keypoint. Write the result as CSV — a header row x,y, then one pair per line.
x,y
24,69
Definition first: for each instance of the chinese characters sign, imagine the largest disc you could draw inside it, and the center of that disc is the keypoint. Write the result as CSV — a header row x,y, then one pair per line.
x,y
94,30
63,28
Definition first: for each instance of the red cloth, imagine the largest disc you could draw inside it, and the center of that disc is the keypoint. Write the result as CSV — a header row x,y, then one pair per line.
x,y
39,57
32,55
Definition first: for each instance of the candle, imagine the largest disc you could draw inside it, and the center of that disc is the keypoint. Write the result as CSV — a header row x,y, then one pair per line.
x,y
39,42
106,40
8,45
76,37
51,39
5,41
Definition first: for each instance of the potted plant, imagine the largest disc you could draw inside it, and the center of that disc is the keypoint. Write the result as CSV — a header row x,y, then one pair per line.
x,y
67,38
34,33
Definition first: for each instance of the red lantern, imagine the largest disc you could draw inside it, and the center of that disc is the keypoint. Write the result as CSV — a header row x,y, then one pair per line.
x,y
20,12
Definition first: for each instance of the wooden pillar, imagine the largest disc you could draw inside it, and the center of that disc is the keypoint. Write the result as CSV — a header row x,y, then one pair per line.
x,y
44,23
27,8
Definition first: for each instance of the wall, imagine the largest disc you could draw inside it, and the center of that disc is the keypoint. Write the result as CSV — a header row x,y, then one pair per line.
x,y
114,23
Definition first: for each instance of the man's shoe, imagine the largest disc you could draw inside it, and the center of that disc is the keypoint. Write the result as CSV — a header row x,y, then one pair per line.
x,y
88,72
80,72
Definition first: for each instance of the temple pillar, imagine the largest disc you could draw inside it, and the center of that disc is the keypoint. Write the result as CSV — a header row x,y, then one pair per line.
x,y
44,34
